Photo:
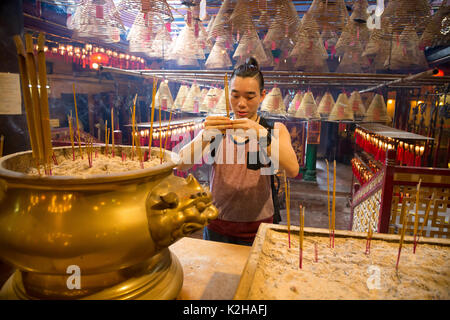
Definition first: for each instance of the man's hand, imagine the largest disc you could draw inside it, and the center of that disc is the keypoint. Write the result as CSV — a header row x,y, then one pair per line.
x,y
247,124
218,123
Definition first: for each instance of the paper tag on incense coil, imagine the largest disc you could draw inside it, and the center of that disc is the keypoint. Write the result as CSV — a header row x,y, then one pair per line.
x,y
297,104
164,104
355,106
308,110
99,12
276,103
196,106
376,115
340,112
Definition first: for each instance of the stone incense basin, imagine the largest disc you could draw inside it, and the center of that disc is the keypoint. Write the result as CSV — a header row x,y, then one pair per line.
x,y
100,237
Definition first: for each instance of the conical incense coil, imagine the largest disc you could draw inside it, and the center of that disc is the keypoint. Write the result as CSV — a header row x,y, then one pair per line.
x,y
241,17
250,46
329,12
353,61
186,46
357,105
209,101
341,109
221,25
203,40
402,13
377,111
308,107
141,33
161,44
99,19
158,10
405,52
218,58
220,107
193,99
203,94
434,33
378,47
326,105
163,97
273,102
181,96
295,103
353,33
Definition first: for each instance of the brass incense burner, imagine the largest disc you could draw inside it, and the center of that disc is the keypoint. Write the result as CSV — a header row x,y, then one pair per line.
x,y
100,237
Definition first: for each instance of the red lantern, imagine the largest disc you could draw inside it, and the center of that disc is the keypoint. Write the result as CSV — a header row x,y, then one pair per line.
x,y
99,58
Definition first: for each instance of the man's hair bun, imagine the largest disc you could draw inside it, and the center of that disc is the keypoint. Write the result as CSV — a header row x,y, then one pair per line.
x,y
252,62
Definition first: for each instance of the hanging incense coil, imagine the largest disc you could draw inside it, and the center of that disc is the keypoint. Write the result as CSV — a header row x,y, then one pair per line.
x,y
353,61
295,103
141,34
193,99
326,105
326,12
341,110
378,47
435,33
98,19
273,102
203,40
357,105
221,25
250,46
354,32
308,107
377,111
161,44
402,13
241,18
283,61
405,52
218,58
209,102
181,96
163,97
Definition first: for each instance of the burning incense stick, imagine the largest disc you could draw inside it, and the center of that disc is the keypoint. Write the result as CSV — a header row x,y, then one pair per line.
x,y
227,98
416,215
2,142
286,190
78,123
45,115
133,127
112,131
106,137
160,137
168,130
402,236
425,219
333,212
27,97
69,119
152,118
302,225
328,199
36,109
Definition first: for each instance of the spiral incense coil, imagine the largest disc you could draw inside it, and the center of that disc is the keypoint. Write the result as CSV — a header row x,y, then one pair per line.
x,y
273,102
193,99
405,52
402,13
359,11
435,32
218,58
326,105
295,103
98,19
341,109
354,32
141,34
163,97
203,40
161,44
377,111
210,101
357,105
250,46
221,25
158,10
352,60
378,47
241,18
308,108
186,49
181,96
328,12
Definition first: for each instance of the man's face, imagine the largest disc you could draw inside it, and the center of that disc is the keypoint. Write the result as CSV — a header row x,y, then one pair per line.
x,y
245,97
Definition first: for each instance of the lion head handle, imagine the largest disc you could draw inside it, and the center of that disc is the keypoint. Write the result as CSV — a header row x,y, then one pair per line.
x,y
176,207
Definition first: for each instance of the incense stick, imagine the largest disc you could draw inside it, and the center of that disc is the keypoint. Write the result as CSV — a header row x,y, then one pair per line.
x,y
301,234
133,127
328,199
405,223
333,212
227,101
69,119
2,141
160,137
45,115
152,118
425,219
78,123
112,131
106,138
286,190
416,215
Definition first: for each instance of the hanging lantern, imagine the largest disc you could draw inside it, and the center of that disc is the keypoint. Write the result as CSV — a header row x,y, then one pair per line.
x,y
98,59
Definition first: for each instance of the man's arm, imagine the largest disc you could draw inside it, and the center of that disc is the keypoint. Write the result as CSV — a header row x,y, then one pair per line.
x,y
287,158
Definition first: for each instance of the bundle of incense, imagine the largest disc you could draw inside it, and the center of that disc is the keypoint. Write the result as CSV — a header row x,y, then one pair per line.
x,y
425,218
333,209
138,147
89,151
301,234
160,138
152,118
2,143
69,119
227,98
78,123
168,130
36,101
286,190
416,215
112,131
328,199
404,218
